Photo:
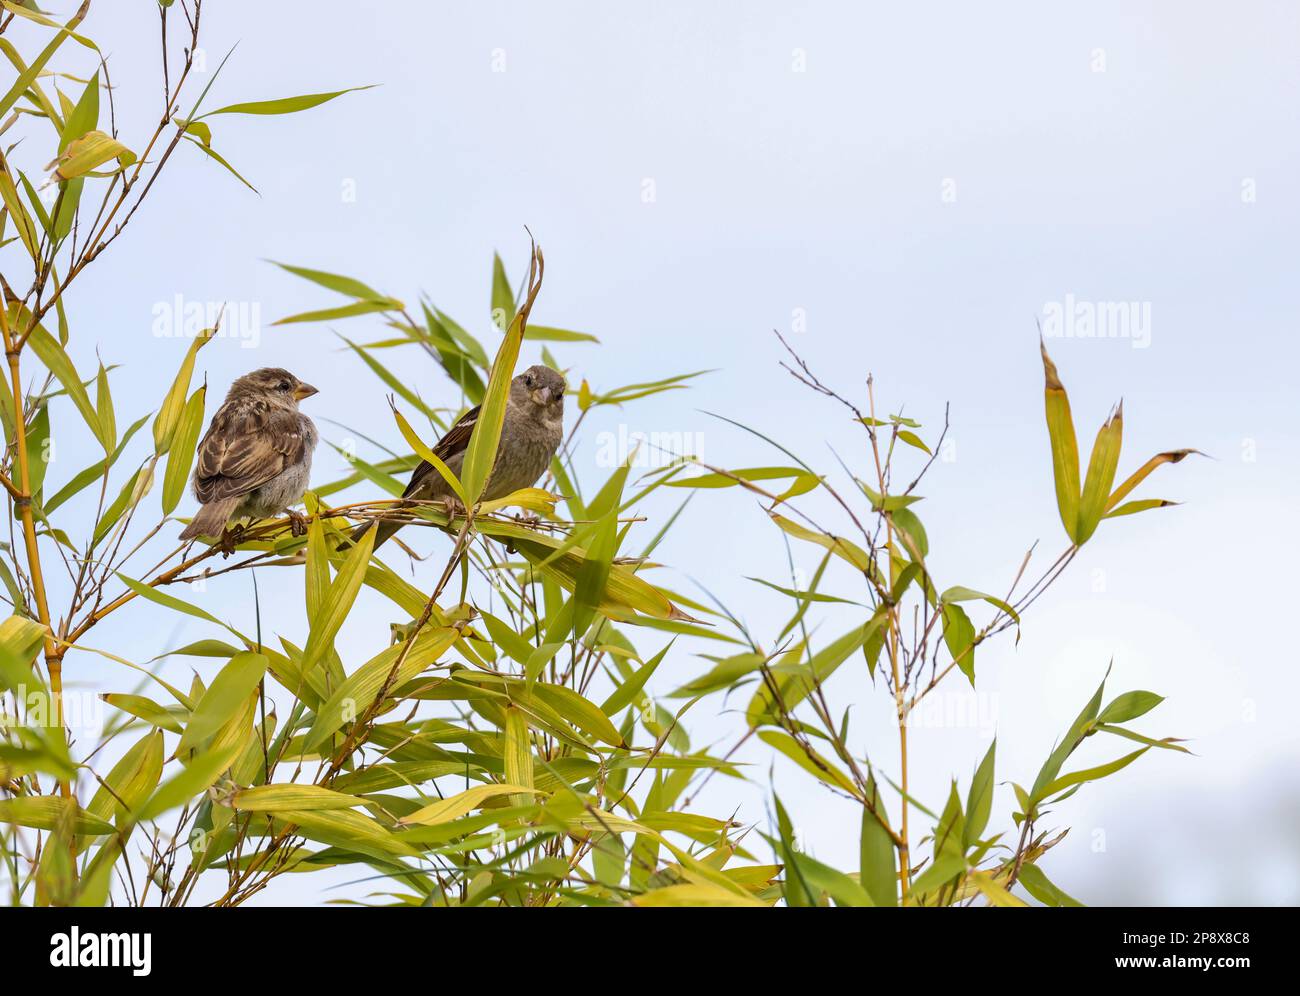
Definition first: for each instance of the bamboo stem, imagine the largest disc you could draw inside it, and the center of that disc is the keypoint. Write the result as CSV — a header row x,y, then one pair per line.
x,y
23,501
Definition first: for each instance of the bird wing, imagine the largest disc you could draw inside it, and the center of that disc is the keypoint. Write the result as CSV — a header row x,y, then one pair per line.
x,y
247,444
454,443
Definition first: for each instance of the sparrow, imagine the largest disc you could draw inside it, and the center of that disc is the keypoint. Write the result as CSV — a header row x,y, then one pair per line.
x,y
530,435
255,459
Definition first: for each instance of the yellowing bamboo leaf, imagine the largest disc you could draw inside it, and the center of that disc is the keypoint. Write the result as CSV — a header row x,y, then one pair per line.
x,y
1065,448
432,459
282,798
456,806
694,894
45,812
1143,472
1101,474
92,149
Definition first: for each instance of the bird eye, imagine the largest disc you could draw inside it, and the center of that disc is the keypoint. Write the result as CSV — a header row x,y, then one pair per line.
x,y
528,379
559,391
283,385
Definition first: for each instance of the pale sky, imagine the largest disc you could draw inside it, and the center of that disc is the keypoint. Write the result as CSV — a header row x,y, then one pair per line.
x,y
901,187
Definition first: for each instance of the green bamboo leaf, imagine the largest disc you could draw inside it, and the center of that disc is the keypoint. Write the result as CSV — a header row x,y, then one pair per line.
x,y
876,868
730,479
227,694
724,674
38,448
164,425
1133,507
148,710
480,454
171,601
132,780
503,298
285,105
912,439
133,492
1092,774
960,593
180,456
332,281
351,699
579,711
959,636
336,605
811,761
316,583
104,407
979,801
428,456
193,780
544,333
630,689
838,545
1038,885
342,311
28,76
1128,706
216,157
56,361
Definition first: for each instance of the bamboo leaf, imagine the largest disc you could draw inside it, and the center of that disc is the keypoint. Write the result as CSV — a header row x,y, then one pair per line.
x,y
147,709
428,456
180,456
44,812
1101,474
281,798
56,361
480,454
227,694
164,425
453,807
285,105
1065,448
336,605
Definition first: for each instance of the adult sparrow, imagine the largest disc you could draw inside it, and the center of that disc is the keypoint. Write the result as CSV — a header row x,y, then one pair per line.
x,y
530,435
255,458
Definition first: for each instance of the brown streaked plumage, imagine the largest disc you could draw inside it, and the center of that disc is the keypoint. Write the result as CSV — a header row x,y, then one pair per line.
x,y
255,459
530,435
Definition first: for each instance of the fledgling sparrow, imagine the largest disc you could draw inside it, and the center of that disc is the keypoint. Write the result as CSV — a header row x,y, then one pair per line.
x,y
255,459
530,435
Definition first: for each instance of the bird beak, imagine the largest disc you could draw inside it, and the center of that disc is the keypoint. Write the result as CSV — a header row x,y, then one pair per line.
x,y
303,391
542,396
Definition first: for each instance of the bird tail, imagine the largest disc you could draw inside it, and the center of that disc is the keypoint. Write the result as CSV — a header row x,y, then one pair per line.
x,y
211,518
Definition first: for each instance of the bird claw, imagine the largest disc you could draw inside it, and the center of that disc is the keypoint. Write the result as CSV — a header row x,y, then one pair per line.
x,y
530,520
297,523
452,506
230,538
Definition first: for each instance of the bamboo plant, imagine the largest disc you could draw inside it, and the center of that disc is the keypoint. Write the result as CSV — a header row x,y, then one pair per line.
x,y
499,744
